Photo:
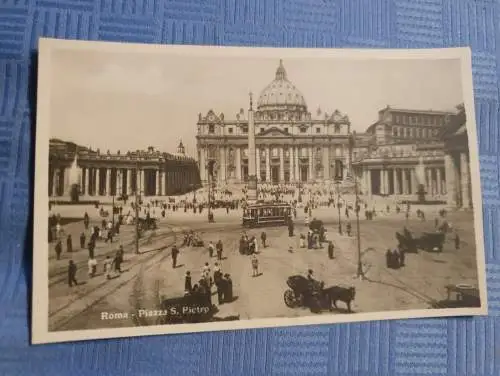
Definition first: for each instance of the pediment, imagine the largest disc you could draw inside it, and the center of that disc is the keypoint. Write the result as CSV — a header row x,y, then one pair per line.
x,y
273,132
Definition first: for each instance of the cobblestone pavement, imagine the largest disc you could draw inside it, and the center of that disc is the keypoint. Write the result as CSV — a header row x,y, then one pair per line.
x,y
151,278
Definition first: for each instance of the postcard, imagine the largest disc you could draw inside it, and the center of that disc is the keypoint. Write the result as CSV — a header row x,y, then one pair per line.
x,y
186,189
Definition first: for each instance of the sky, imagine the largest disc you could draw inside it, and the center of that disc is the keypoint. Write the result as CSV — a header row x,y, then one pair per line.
x,y
128,101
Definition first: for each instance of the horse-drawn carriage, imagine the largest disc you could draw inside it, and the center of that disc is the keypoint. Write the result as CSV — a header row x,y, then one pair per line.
x,y
428,241
459,296
312,294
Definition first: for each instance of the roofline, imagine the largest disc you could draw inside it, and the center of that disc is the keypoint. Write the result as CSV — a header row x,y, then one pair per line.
x,y
414,111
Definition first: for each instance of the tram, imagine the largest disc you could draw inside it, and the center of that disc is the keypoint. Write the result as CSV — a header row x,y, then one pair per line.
x,y
262,214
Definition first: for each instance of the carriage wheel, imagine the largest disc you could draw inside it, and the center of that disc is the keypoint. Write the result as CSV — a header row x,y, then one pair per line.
x,y
290,299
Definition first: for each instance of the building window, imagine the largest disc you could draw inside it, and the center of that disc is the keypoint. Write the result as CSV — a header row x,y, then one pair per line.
x,y
408,132
395,132
318,130
419,133
211,128
245,129
303,130
245,153
274,152
286,130
261,130
337,128
230,130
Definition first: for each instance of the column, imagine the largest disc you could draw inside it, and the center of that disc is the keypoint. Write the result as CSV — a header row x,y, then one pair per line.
x,y
129,181
268,164
395,181
382,181
97,182
163,182
66,188
465,181
143,182
311,164
257,162
439,179
86,188
326,164
413,181
202,165
450,173
296,156
428,181
291,159
119,182
404,181
369,182
282,164
158,186
222,176
55,181
108,181
386,178
238,164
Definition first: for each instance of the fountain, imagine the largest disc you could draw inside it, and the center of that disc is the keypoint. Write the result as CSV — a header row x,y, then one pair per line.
x,y
74,180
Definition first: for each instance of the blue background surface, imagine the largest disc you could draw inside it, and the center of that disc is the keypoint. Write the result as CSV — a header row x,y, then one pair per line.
x,y
462,346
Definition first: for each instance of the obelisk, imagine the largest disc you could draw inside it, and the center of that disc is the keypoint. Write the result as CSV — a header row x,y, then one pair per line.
x,y
252,178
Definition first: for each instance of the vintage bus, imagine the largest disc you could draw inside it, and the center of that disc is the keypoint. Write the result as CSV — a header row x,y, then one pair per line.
x,y
262,214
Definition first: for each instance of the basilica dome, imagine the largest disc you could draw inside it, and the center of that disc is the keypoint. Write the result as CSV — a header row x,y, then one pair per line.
x,y
281,93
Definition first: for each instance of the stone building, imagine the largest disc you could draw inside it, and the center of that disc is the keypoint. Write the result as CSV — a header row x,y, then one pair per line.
x,y
97,175
292,144
398,154
457,160
401,152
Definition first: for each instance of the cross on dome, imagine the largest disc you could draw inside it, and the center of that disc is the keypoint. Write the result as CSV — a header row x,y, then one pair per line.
x,y
281,72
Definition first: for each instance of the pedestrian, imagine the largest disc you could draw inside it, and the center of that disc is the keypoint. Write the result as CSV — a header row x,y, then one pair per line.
x,y
330,249
388,258
92,265
302,241
255,266
86,220
219,250
348,228
72,273
210,249
401,257
82,240
228,288
58,249
175,253
108,263
263,238
290,228
187,283
457,241
118,261
395,259
69,244
290,249
91,247
205,273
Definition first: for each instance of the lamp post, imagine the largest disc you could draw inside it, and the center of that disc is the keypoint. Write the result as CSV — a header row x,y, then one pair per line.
x,y
337,183
137,193
359,273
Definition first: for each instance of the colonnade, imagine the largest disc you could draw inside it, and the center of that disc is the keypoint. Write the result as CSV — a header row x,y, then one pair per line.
x,y
296,163
106,181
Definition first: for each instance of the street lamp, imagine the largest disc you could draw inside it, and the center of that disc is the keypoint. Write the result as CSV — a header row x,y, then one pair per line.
x,y
137,194
359,273
337,183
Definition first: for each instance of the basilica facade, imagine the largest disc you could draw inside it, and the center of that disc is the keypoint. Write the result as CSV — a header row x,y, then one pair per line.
x,y
400,152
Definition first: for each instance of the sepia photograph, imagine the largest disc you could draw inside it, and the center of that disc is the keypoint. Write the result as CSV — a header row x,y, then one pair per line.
x,y
192,188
